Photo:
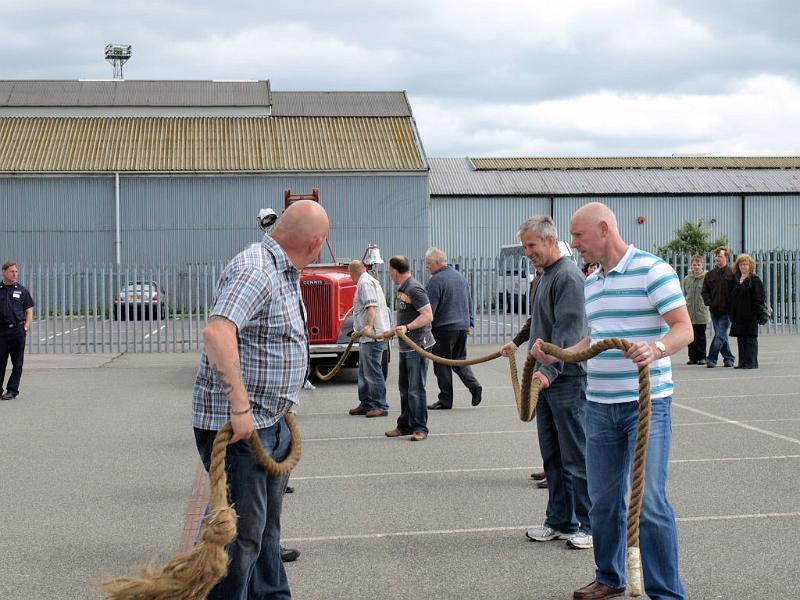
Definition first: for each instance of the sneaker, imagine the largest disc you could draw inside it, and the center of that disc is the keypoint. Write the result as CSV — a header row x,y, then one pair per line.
x,y
544,533
542,483
580,540
727,363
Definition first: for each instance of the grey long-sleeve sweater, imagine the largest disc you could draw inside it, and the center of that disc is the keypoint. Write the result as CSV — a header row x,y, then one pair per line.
x,y
558,315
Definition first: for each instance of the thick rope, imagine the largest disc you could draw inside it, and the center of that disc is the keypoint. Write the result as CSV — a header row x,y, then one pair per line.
x,y
640,454
526,396
192,574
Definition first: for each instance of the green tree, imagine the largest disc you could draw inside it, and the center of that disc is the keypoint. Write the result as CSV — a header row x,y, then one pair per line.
x,y
692,238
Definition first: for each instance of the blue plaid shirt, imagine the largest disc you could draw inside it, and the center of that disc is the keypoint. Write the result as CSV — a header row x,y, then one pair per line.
x,y
259,292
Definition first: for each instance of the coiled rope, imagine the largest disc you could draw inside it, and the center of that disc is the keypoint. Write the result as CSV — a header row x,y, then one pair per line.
x,y
526,395
192,574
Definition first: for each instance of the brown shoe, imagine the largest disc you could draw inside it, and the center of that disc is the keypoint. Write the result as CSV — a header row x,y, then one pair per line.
x,y
597,591
377,412
397,432
359,411
418,436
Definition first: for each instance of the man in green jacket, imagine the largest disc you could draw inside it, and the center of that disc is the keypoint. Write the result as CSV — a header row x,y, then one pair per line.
x,y
698,311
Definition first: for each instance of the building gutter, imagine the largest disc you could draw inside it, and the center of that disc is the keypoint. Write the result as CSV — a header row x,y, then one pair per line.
x,y
117,239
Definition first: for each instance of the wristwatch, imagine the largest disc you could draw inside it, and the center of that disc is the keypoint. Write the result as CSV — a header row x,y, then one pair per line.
x,y
662,348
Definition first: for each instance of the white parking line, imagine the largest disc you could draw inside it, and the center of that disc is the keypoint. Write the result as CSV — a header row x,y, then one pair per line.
x,y
524,468
431,532
741,424
44,339
154,332
718,421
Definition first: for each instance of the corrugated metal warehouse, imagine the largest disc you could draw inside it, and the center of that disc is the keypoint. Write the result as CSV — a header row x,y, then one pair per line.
x,y
168,172
477,204
184,167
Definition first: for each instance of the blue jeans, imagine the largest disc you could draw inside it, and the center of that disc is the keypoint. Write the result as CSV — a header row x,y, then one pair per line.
x,y
413,400
255,570
610,443
371,384
721,323
559,423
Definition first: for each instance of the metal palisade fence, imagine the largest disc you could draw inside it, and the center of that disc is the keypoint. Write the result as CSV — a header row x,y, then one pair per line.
x,y
113,309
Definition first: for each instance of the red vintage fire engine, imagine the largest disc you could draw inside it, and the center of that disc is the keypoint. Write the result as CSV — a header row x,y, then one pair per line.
x,y
328,295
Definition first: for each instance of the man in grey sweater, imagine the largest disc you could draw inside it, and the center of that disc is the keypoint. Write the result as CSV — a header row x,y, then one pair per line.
x,y
451,303
558,316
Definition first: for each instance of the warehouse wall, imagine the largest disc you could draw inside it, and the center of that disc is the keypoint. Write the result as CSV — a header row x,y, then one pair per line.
x,y
175,219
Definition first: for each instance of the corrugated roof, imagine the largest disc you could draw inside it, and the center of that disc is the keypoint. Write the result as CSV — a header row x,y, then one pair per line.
x,y
637,162
457,177
207,144
29,93
340,104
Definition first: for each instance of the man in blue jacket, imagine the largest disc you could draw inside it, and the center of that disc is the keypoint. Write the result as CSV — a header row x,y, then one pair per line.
x,y
451,303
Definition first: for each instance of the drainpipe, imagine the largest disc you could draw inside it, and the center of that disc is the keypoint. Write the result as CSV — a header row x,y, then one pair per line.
x,y
117,241
744,245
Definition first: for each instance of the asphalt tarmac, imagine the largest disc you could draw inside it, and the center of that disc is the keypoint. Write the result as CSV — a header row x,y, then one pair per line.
x,y
98,461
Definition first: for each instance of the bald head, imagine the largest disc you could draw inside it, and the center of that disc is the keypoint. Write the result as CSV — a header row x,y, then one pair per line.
x,y
357,269
595,213
301,230
595,235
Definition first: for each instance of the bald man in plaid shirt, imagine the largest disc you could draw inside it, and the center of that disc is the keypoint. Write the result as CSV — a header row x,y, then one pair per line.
x,y
254,364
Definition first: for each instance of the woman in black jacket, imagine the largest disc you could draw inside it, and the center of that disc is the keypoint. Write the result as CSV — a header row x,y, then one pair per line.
x,y
746,302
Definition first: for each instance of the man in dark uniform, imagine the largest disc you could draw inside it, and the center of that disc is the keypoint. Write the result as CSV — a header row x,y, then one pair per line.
x,y
16,315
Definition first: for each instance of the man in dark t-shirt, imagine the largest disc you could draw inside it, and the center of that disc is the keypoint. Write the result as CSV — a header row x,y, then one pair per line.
x,y
414,317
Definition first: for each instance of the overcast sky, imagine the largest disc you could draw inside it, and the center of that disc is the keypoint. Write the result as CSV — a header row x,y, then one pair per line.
x,y
509,77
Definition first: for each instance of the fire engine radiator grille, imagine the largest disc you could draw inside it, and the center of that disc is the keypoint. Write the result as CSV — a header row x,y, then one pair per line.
x,y
319,310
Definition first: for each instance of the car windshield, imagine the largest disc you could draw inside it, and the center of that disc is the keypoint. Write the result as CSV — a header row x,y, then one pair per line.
x,y
511,259
139,287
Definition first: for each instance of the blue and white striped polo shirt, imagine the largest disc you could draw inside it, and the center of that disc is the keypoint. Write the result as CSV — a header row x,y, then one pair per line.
x,y
628,302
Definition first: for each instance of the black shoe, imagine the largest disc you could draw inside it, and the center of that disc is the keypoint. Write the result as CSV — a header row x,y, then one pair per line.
x,y
438,406
701,362
8,396
727,364
289,490
691,362
711,365
289,554
477,396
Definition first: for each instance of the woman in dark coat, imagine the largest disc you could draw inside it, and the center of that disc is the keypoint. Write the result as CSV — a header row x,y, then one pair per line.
x,y
746,302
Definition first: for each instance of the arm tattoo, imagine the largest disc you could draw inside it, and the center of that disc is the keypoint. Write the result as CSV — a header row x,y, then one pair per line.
x,y
220,377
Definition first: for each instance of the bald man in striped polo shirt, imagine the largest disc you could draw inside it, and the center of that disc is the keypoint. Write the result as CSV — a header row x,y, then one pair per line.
x,y
637,296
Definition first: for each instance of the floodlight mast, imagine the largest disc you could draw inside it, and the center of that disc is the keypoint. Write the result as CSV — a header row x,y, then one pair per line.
x,y
118,55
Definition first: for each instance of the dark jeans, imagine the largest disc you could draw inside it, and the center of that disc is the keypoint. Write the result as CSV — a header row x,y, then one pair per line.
x,y
748,351
12,344
722,323
371,384
413,401
451,344
697,349
610,442
255,569
559,423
